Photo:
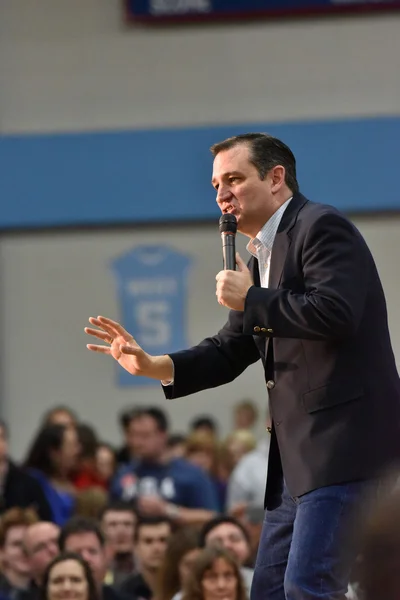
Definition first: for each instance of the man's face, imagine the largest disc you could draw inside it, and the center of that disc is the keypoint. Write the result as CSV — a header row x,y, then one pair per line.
x,y
88,546
231,537
13,555
41,546
151,545
145,439
241,192
119,528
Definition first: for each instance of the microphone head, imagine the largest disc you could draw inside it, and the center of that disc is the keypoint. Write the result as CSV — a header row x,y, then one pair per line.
x,y
228,224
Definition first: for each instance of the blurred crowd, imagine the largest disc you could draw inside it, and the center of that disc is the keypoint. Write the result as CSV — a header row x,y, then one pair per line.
x,y
163,517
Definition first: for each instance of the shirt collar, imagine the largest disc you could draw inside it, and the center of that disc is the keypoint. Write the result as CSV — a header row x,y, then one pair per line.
x,y
266,236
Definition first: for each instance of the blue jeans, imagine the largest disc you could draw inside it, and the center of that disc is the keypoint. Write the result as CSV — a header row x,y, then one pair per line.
x,y
304,550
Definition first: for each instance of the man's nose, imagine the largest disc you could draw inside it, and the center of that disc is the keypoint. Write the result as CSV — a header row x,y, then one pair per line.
x,y
223,195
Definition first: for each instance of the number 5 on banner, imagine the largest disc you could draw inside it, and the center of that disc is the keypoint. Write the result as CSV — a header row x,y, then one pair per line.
x,y
153,320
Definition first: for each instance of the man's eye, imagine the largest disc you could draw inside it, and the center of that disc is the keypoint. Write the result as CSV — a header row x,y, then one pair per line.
x,y
232,179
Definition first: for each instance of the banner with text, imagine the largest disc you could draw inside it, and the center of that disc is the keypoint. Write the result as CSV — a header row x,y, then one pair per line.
x,y
152,288
156,10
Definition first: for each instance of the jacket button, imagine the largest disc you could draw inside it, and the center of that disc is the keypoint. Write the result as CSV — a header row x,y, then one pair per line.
x,y
264,330
257,329
270,330
270,384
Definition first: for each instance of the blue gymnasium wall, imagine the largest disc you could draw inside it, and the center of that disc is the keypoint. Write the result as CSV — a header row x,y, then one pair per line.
x,y
146,176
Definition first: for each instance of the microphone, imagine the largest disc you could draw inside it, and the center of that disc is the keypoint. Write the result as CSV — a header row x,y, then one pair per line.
x,y
227,229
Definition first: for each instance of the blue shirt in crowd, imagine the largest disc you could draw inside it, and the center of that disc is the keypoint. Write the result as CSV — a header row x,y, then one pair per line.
x,y
177,481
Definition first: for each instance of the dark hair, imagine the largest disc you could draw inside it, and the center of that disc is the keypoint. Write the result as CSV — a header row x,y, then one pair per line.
x,y
47,417
208,422
148,522
175,440
159,416
215,522
181,542
78,525
193,589
64,556
48,439
118,506
87,439
266,152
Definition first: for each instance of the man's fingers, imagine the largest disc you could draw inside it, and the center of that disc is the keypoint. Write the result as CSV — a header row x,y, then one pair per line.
x,y
240,263
135,350
115,328
100,349
102,335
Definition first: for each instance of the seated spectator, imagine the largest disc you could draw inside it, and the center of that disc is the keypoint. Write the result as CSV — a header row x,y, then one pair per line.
x,y
176,445
245,415
127,452
151,539
118,522
60,415
19,489
15,574
229,533
239,443
84,537
216,576
160,485
182,551
51,460
105,463
202,450
90,502
41,546
204,425
69,576
86,475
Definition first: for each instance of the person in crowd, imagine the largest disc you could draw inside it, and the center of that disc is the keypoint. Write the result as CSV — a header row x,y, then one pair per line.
x,y
202,449
86,475
118,522
216,576
126,453
177,565
151,539
204,424
68,577
106,463
228,532
18,488
15,569
176,445
158,484
85,537
60,415
40,543
52,459
245,415
90,502
239,443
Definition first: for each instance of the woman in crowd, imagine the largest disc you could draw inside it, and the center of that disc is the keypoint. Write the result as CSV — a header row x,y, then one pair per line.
x,y
182,550
215,575
68,576
202,450
106,463
51,460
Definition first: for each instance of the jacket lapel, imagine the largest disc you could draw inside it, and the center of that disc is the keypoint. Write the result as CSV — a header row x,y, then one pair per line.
x,y
283,240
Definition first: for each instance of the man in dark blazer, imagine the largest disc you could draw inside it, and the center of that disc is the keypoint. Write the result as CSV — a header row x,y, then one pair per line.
x,y
310,304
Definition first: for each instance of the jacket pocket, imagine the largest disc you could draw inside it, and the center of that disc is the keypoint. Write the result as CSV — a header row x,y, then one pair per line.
x,y
331,395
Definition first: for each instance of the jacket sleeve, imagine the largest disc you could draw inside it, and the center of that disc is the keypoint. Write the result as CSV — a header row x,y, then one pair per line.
x,y
335,268
215,361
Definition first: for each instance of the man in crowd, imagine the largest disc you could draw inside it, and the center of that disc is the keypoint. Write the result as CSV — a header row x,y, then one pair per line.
x,y
118,522
85,537
41,546
159,484
229,533
16,575
151,538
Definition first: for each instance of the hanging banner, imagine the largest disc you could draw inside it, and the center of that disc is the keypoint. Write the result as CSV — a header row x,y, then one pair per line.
x,y
152,289
194,10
